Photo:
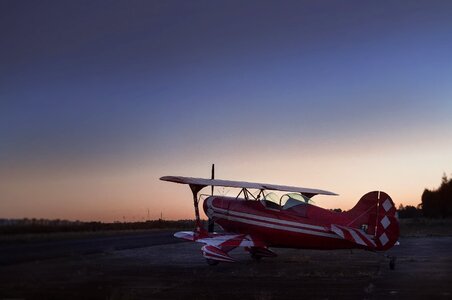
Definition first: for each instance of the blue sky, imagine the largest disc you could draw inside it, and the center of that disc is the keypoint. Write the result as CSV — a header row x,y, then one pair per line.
x,y
147,88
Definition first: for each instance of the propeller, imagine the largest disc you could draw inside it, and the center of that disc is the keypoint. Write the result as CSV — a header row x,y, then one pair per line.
x,y
210,224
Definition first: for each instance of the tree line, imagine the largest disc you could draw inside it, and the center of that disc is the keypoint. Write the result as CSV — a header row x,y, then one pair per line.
x,y
435,203
438,203
19,226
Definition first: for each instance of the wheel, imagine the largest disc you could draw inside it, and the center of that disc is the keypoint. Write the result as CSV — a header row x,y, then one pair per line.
x,y
255,257
212,262
392,261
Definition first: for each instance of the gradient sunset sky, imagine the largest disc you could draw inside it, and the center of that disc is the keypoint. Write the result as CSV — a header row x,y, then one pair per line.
x,y
98,99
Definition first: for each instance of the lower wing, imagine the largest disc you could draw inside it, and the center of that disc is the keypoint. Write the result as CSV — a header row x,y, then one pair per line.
x,y
218,245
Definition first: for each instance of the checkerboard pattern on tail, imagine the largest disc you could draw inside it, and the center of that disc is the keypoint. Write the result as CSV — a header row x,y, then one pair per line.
x,y
376,214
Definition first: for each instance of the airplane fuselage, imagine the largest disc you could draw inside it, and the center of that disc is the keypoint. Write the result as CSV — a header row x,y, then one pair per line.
x,y
255,225
303,226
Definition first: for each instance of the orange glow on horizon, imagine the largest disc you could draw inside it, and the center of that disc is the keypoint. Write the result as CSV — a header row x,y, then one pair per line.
x,y
120,193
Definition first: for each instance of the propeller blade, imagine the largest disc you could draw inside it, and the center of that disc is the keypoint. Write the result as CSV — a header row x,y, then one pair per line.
x,y
210,224
213,176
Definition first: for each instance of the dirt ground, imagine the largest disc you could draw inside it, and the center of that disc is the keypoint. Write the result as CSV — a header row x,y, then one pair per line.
x,y
176,271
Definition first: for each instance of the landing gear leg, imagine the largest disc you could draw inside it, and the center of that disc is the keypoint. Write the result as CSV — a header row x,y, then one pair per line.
x,y
255,257
211,225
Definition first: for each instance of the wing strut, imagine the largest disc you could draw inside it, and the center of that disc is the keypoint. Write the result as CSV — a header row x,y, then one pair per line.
x,y
195,189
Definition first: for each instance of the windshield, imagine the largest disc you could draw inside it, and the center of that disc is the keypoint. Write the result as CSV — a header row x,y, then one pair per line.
x,y
270,201
286,201
293,199
271,197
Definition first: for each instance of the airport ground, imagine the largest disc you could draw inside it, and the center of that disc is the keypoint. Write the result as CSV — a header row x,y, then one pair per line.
x,y
154,265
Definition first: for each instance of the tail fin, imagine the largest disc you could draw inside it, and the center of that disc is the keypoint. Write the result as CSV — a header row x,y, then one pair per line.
x,y
375,213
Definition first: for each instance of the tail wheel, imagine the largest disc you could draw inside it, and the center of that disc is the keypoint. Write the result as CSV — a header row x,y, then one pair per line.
x,y
392,261
254,254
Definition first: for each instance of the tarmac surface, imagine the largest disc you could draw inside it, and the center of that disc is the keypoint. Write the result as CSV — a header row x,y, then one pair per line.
x,y
16,252
155,265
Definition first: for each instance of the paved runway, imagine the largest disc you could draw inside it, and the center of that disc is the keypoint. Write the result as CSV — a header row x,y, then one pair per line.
x,y
12,253
166,270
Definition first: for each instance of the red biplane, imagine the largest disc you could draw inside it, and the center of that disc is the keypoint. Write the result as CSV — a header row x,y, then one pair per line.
x,y
260,220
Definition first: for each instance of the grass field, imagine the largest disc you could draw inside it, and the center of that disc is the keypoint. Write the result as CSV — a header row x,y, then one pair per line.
x,y
417,227
420,227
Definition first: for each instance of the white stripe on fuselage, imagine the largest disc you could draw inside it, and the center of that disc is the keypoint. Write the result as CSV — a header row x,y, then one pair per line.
x,y
274,226
261,218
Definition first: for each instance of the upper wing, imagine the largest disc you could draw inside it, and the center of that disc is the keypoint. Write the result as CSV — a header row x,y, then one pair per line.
x,y
243,184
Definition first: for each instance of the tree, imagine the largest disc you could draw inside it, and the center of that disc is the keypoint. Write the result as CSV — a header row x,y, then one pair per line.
x,y
409,211
438,203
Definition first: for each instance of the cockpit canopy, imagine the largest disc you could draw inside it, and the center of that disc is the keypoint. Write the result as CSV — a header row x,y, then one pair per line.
x,y
286,201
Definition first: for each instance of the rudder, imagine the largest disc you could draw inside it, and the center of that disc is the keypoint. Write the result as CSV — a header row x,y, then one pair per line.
x,y
375,213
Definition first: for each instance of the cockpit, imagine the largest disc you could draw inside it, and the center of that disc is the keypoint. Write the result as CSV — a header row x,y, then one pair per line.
x,y
286,201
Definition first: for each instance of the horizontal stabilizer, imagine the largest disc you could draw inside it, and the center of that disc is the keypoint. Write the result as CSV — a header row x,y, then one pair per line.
x,y
354,235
